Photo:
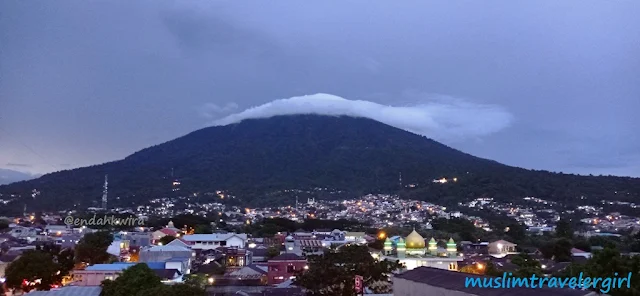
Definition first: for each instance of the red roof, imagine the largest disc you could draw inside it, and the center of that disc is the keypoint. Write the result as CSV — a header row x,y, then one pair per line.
x,y
168,231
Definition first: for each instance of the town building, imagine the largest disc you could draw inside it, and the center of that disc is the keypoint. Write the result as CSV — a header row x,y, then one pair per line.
x,y
215,240
501,248
170,229
413,252
95,274
179,257
283,267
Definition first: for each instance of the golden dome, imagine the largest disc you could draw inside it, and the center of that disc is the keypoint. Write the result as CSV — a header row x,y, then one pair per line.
x,y
414,240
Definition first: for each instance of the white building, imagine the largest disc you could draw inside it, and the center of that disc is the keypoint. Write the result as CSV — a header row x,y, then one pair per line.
x,y
501,248
215,240
414,252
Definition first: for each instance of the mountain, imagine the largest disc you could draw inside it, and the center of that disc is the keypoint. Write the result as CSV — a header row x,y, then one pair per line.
x,y
258,159
9,176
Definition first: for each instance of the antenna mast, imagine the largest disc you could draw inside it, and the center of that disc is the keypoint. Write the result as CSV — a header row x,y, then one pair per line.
x,y
104,192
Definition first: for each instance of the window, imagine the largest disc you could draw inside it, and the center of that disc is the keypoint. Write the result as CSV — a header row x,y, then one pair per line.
x,y
109,277
223,243
291,269
453,266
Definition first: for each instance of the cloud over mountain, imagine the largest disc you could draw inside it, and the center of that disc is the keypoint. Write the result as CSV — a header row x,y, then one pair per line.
x,y
441,118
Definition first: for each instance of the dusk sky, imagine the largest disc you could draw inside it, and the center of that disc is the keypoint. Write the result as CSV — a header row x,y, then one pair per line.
x,y
549,85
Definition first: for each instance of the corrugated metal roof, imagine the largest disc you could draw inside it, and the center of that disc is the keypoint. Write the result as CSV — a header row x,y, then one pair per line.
x,y
69,291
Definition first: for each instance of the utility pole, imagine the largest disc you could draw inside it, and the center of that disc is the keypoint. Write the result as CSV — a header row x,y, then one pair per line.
x,y
105,192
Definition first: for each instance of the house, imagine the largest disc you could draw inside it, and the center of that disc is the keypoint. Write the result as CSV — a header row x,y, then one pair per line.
x,y
260,254
95,274
284,267
501,248
215,240
251,272
158,234
580,253
137,239
304,247
57,230
181,258
68,240
236,257
355,237
433,281
170,229
27,233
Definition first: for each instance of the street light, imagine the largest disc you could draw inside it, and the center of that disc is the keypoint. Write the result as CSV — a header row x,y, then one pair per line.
x,y
210,280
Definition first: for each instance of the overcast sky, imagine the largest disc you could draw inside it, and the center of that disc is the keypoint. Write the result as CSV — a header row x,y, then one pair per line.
x,y
539,84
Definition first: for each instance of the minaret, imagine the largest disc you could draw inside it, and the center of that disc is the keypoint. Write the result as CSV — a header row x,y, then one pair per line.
x,y
24,210
104,192
388,247
400,180
401,248
433,246
451,248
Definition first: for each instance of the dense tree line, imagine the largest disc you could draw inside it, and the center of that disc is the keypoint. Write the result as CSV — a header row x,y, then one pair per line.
x,y
332,274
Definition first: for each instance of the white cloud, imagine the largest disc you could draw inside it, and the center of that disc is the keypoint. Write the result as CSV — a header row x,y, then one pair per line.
x,y
442,118
210,110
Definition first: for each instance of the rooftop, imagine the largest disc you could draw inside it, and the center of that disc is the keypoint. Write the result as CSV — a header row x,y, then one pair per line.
x,y
110,267
288,257
69,291
455,281
213,237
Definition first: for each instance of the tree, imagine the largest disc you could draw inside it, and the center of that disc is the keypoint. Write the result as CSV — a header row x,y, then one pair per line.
x,y
132,281
4,224
473,269
527,266
197,280
272,252
604,264
167,239
92,248
564,229
333,273
33,270
140,280
516,231
492,270
203,229
558,250
63,258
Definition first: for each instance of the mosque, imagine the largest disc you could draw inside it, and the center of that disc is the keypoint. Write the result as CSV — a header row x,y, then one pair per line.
x,y
413,252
